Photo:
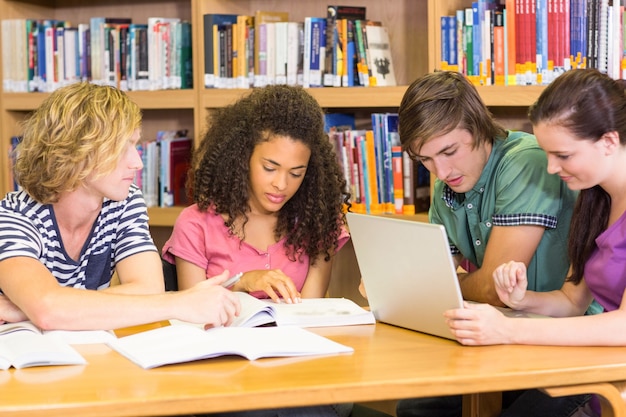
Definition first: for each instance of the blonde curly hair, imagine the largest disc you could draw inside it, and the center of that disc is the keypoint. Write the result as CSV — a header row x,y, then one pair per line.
x,y
78,131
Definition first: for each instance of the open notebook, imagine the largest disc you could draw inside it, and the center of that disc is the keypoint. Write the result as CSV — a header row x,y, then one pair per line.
x,y
408,272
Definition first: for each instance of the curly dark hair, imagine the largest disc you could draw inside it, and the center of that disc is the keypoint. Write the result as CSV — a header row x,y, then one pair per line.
x,y
312,219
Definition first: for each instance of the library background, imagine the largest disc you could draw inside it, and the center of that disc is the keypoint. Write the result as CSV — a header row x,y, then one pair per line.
x,y
181,59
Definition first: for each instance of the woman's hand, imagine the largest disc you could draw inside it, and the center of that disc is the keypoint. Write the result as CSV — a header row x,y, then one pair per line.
x,y
273,282
478,324
511,283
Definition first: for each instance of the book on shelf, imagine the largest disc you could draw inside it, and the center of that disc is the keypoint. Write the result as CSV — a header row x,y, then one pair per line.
x,y
314,51
379,55
265,59
100,63
210,21
311,312
23,345
335,66
182,343
175,149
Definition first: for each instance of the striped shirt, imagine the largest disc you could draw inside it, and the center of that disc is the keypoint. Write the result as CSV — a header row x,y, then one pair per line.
x,y
28,228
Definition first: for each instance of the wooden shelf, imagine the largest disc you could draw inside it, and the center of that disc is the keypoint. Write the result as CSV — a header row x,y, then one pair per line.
x,y
163,216
414,32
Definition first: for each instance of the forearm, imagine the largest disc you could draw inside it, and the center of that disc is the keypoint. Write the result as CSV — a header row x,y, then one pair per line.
x,y
78,309
478,286
606,329
551,303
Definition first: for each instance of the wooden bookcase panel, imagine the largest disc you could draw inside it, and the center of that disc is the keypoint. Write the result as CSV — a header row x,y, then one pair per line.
x,y
414,34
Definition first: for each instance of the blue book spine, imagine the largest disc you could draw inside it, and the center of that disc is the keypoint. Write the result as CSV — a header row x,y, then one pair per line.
x,y
541,40
477,40
445,42
452,40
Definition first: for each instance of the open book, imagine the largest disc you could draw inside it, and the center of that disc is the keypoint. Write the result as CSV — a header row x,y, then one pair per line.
x,y
182,343
23,344
311,312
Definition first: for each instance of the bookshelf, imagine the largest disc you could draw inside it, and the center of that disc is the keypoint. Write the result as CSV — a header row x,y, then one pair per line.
x,y
414,35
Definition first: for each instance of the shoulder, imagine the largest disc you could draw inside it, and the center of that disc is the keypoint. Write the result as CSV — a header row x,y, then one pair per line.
x,y
193,214
23,208
520,150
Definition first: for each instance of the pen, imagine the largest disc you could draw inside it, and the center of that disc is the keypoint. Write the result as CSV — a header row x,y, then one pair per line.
x,y
232,280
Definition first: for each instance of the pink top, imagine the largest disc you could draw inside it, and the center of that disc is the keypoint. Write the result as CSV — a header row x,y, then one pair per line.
x,y
202,239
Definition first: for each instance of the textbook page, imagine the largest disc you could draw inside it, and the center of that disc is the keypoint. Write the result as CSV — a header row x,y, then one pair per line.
x,y
23,345
176,344
311,312
322,312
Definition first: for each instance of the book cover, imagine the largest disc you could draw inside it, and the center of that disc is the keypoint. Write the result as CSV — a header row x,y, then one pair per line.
x,y
24,345
97,39
379,55
186,56
310,312
398,189
209,20
295,48
183,343
468,36
264,17
342,121
281,30
335,49
499,58
175,157
510,41
317,51
372,169
363,70
391,140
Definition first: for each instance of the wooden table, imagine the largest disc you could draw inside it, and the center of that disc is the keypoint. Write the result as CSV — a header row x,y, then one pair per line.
x,y
388,363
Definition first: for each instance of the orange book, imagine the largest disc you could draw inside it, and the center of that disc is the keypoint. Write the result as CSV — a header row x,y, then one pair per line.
x,y
398,178
344,48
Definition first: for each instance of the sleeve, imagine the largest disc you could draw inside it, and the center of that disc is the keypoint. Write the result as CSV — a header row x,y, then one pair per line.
x,y
18,237
526,194
187,239
133,232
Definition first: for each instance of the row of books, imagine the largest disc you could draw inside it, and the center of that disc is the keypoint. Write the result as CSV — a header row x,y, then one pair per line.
x,y
166,160
43,55
528,42
381,177
342,49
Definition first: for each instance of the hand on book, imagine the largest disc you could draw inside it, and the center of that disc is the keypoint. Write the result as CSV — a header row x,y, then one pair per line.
x,y
272,282
9,312
219,305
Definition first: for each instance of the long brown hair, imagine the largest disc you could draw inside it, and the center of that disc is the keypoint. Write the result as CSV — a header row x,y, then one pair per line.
x,y
589,104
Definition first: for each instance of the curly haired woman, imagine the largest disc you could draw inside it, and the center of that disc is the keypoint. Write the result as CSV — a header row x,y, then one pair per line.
x,y
268,195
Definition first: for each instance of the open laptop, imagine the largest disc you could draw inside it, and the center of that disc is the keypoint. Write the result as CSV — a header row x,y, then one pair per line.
x,y
407,270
